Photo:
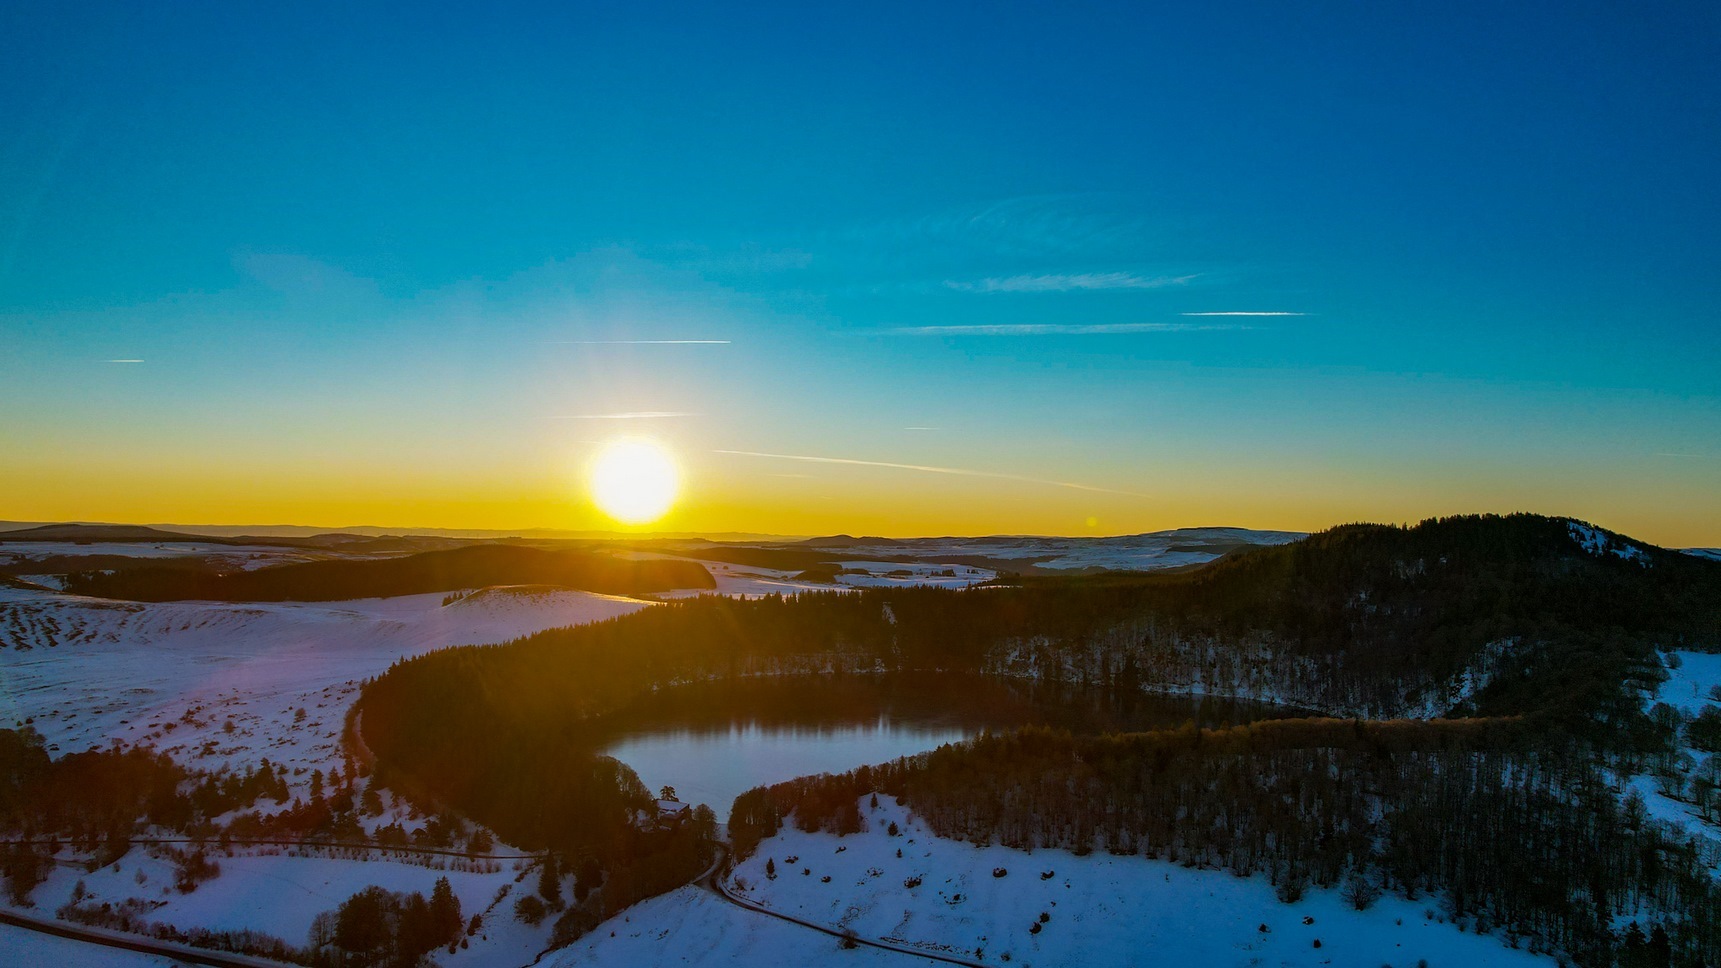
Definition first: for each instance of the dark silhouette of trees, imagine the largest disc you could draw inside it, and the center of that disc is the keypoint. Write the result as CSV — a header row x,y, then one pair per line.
x,y
476,566
380,927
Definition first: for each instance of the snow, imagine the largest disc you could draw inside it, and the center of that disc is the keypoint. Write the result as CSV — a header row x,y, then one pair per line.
x,y
240,557
748,581
1687,688
738,581
20,946
1692,676
218,684
1666,809
895,574
36,550
270,891
1597,542
1101,910
692,926
173,675
1177,548
1713,554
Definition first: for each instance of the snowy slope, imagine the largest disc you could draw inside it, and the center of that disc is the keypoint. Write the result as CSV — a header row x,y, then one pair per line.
x,y
21,947
1693,677
1688,687
270,891
174,674
692,926
217,684
1100,910
1601,543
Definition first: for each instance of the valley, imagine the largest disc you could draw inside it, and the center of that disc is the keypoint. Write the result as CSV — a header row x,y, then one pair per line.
x,y
337,756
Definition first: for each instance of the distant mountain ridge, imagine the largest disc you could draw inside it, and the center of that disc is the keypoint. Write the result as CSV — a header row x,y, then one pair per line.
x,y
78,533
476,566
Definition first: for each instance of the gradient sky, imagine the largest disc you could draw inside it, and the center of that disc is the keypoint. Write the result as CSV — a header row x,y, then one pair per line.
x,y
405,267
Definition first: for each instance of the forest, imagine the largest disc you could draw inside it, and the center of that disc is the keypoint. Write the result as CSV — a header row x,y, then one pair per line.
x,y
1510,621
475,566
1504,833
1479,675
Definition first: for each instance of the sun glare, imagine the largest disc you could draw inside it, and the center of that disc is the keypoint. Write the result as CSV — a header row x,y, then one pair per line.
x,y
634,481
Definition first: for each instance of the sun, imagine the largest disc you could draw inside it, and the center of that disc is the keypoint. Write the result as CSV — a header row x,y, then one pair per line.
x,y
634,481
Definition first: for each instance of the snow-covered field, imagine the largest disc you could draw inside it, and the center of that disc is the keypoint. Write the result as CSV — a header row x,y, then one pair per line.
x,y
692,926
748,581
1092,911
1689,686
22,947
86,672
271,891
216,684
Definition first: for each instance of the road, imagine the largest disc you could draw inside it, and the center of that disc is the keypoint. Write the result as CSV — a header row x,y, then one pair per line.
x,y
135,942
219,844
712,880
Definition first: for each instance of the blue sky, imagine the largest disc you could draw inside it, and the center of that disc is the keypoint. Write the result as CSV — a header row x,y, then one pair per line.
x,y
371,261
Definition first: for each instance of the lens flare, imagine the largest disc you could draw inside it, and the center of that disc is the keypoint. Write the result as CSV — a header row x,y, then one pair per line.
x,y
634,481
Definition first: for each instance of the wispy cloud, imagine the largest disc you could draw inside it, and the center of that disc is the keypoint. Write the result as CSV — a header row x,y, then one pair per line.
x,y
1059,329
1248,313
627,415
637,342
122,361
920,428
1069,282
928,469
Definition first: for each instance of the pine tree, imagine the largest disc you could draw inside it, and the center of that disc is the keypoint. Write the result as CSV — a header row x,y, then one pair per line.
x,y
550,882
444,912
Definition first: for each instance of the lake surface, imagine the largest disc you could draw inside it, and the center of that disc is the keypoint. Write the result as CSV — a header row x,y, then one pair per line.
x,y
713,741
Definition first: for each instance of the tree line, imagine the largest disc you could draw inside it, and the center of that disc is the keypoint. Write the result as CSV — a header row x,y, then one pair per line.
x,y
474,566
1500,831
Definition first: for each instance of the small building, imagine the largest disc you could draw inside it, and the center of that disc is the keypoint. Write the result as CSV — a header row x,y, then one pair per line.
x,y
671,814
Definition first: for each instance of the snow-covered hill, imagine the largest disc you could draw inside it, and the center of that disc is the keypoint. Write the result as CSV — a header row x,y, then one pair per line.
x,y
1097,910
215,683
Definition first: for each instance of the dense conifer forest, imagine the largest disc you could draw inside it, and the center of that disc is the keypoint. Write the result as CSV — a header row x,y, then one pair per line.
x,y
1500,832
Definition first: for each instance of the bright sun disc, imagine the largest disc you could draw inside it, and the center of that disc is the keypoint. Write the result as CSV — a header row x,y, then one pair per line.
x,y
634,481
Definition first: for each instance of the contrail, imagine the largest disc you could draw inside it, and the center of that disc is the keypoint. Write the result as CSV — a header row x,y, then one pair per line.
x,y
638,342
1272,313
928,469
1058,329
